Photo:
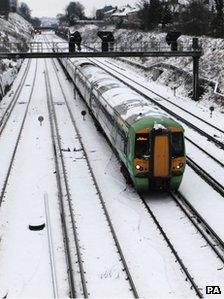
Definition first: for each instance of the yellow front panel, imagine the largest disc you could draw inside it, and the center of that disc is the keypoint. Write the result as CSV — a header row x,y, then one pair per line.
x,y
161,156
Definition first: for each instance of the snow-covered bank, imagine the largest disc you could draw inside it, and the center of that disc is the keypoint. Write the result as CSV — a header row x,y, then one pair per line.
x,y
174,72
14,30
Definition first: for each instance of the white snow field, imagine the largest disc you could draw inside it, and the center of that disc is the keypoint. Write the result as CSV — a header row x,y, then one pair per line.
x,y
33,262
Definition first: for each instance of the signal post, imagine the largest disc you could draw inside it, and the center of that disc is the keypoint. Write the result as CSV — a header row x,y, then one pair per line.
x,y
107,50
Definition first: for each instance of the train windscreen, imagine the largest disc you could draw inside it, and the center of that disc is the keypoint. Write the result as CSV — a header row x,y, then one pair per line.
x,y
142,146
177,144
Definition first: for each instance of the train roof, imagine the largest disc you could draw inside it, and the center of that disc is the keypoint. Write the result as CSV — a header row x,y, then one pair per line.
x,y
126,102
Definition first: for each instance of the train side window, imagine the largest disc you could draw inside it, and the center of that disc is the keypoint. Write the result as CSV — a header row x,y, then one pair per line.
x,y
125,145
128,149
177,144
142,146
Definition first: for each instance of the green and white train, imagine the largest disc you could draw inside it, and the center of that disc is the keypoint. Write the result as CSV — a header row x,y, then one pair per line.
x,y
149,144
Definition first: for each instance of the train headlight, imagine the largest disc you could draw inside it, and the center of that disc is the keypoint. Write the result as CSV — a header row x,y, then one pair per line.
x,y
139,167
180,165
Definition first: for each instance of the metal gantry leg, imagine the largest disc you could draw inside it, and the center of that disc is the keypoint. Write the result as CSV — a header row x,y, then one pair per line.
x,y
195,78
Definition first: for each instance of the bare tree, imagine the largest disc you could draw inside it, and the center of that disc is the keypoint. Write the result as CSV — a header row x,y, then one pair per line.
x,y
218,21
74,11
195,18
150,13
219,8
25,11
4,7
174,5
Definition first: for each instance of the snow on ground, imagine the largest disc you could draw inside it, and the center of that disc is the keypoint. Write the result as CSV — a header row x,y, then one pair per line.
x,y
24,254
211,63
101,262
200,110
24,257
14,30
196,254
151,265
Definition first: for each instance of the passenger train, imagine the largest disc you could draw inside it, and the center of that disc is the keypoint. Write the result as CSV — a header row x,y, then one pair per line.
x,y
148,143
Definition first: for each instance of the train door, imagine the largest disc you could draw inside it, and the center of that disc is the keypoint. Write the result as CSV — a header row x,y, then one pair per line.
x,y
161,156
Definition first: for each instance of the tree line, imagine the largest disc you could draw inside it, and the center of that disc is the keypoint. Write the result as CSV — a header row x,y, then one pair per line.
x,y
197,17
73,12
23,9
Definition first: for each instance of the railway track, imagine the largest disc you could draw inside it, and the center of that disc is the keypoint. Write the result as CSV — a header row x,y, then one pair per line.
x,y
206,176
62,184
212,238
7,113
26,144
140,204
133,84
218,165
183,109
15,147
65,195
141,89
217,184
213,243
216,179
185,216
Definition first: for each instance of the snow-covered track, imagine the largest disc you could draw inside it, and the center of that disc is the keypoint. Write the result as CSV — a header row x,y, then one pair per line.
x,y
216,243
19,134
97,193
171,246
197,248
180,107
206,176
141,89
11,105
205,152
63,184
216,179
207,155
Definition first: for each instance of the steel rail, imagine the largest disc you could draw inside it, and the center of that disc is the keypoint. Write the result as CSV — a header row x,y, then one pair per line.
x,y
209,179
50,246
216,185
58,154
206,176
203,133
199,223
114,235
178,106
197,290
204,151
201,119
209,155
18,139
181,263
13,102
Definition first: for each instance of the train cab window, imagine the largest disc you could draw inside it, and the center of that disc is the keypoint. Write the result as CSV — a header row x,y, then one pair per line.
x,y
142,146
177,144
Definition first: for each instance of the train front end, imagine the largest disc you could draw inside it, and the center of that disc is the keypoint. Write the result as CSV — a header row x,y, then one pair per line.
x,y
158,156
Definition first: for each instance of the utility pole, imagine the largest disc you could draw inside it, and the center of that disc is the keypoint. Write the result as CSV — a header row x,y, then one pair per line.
x,y
195,47
195,78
